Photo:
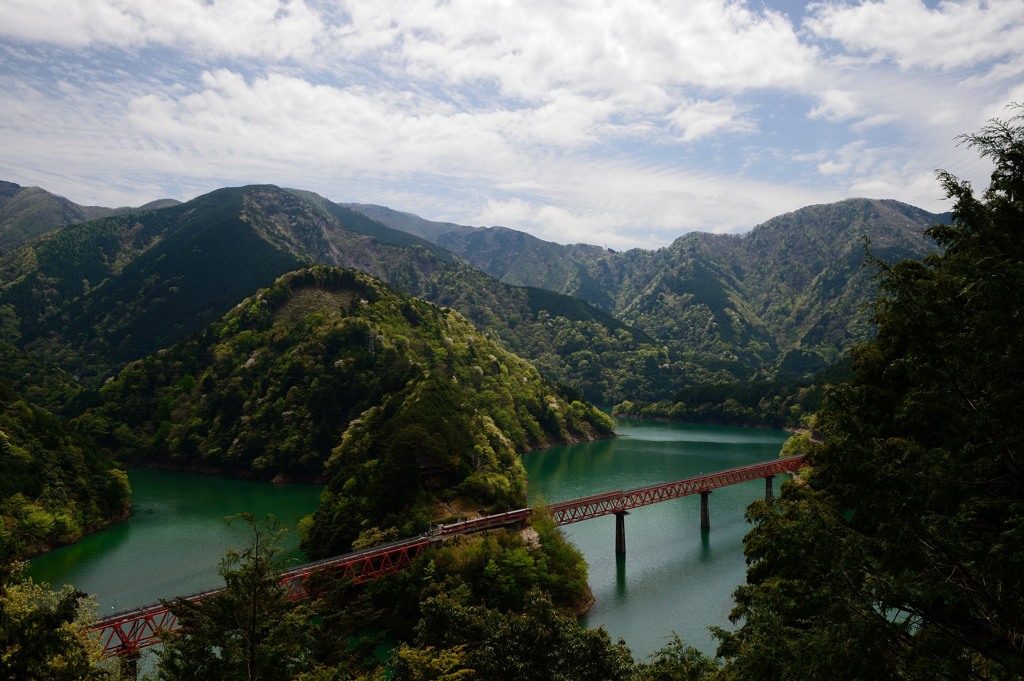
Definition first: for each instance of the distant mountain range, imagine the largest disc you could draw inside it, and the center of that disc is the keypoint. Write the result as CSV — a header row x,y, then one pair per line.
x,y
789,295
93,288
29,212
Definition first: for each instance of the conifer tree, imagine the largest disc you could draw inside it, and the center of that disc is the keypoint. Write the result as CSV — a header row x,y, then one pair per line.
x,y
904,558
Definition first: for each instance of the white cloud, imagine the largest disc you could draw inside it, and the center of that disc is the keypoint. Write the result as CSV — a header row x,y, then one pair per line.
x,y
703,118
531,47
836,105
276,29
527,48
955,34
625,205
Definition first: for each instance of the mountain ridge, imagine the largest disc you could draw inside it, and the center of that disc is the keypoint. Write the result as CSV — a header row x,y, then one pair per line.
x,y
792,286
780,302
30,212
97,294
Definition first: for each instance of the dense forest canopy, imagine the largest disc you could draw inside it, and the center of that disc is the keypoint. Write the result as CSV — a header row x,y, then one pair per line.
x,y
55,485
901,559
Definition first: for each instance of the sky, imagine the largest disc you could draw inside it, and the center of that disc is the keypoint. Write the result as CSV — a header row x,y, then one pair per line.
x,y
622,123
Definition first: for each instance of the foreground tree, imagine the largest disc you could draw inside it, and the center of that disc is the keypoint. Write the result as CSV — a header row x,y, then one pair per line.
x,y
42,632
905,558
252,630
455,642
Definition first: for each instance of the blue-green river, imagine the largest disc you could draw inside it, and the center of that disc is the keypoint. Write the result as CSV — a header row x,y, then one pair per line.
x,y
673,577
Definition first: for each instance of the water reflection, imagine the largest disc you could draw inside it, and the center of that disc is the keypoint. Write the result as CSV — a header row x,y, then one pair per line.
x,y
620,577
674,576
705,544
174,540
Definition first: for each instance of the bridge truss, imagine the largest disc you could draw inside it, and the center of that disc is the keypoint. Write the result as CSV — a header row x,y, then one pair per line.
x,y
125,633
577,510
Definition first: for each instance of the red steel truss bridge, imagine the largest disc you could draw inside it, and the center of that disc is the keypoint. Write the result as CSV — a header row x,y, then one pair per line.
x,y
125,633
619,502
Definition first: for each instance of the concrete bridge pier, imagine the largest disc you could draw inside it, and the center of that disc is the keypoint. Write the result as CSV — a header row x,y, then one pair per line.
x,y
705,517
620,533
769,493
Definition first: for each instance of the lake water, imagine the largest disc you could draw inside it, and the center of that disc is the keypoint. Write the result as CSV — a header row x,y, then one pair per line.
x,y
175,538
674,577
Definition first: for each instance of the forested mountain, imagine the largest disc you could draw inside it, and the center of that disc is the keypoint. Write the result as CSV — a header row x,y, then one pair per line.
x,y
96,295
778,304
781,301
407,403
29,212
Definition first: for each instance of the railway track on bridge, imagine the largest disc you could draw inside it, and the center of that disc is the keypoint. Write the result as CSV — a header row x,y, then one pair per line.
x,y
619,501
127,632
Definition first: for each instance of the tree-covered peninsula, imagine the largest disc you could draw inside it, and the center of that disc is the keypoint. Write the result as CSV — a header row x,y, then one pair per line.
x,y
405,409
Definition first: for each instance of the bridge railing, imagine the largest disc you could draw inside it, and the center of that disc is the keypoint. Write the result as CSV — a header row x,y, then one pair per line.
x,y
128,631
597,505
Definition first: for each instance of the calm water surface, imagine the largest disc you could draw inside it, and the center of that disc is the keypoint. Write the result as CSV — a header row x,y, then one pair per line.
x,y
673,577
175,538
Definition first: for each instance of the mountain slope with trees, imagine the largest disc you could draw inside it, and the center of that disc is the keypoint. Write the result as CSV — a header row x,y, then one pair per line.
x,y
782,301
96,295
55,486
30,212
777,305
406,403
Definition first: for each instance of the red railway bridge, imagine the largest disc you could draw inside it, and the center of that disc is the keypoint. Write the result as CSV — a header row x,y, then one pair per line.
x,y
125,633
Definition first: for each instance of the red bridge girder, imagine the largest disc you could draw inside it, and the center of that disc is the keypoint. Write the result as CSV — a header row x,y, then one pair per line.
x,y
576,510
128,632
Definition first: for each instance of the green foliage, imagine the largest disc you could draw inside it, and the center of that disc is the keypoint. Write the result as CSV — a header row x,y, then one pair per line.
x,y
253,630
42,632
906,563
40,382
54,487
776,405
497,569
677,661
488,644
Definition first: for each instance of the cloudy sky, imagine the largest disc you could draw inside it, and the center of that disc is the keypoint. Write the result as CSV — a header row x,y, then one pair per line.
x,y
617,122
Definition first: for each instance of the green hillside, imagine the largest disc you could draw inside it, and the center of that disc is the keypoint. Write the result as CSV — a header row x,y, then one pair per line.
x,y
30,212
774,306
406,403
96,295
778,303
54,485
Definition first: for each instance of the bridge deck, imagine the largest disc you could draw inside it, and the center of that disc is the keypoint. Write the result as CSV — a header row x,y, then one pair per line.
x,y
577,510
128,631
